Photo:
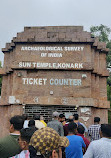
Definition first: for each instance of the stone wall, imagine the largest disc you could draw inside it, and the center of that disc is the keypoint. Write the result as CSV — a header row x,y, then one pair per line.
x,y
6,112
55,66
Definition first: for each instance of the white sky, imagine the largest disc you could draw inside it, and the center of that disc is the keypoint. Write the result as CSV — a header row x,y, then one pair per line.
x,y
15,14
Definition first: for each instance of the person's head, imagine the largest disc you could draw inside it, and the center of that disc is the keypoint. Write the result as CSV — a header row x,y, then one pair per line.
x,y
25,117
71,118
31,123
55,115
48,142
72,127
80,129
36,117
76,117
61,118
106,130
25,136
41,118
96,119
16,123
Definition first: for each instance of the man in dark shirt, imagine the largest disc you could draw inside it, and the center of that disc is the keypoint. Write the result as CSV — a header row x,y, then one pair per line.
x,y
9,145
76,120
61,118
81,130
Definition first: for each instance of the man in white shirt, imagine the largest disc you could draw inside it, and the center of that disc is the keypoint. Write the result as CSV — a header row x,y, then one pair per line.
x,y
101,148
38,123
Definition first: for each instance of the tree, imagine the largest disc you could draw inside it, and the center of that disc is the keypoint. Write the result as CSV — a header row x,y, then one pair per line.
x,y
109,54
103,32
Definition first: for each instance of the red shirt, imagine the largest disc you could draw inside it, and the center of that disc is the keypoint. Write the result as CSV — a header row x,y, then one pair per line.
x,y
86,141
66,129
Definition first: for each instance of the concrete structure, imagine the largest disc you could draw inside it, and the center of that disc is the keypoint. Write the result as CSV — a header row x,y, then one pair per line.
x,y
57,67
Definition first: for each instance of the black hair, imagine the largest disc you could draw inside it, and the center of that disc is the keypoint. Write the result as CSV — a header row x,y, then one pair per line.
x,y
106,130
26,133
80,129
36,117
33,153
97,119
76,116
61,115
17,122
70,120
72,126
31,123
25,117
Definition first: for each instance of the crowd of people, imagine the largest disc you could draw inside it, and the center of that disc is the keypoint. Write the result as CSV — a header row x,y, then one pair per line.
x,y
59,138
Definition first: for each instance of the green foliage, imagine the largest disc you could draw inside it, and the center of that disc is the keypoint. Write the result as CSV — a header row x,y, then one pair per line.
x,y
103,32
109,92
109,44
109,116
109,54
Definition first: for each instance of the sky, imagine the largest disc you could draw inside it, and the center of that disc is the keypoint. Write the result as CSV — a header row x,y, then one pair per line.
x,y
17,14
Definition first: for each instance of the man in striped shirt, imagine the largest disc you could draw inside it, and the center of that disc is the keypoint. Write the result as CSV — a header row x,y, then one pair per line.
x,y
94,130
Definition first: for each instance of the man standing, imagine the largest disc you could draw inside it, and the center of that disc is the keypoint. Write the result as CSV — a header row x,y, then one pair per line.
x,y
81,131
70,119
55,124
42,120
61,118
76,120
24,139
9,145
38,123
94,130
101,148
76,143
47,143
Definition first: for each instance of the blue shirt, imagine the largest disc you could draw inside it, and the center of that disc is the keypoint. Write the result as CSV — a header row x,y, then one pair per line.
x,y
74,150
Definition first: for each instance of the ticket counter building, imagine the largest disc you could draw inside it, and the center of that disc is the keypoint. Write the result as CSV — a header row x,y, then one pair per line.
x,y
59,68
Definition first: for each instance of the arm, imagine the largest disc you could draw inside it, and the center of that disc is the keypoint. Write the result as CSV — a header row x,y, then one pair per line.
x,y
61,129
89,133
86,130
48,124
83,144
89,153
